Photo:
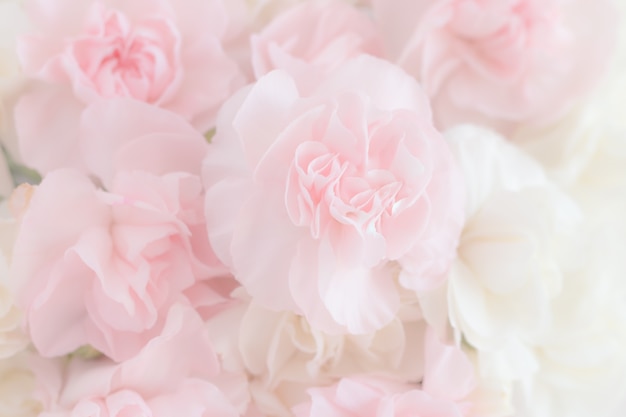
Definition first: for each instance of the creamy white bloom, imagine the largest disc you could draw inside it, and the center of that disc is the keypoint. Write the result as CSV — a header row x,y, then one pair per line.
x,y
283,355
538,289
582,359
509,265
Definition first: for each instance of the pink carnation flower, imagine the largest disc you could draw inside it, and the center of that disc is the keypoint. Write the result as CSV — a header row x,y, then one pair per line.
x,y
108,267
167,53
500,62
314,201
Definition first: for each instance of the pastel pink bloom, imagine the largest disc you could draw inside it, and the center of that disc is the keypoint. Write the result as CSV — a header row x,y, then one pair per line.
x,y
104,268
448,379
313,38
313,201
500,62
169,377
165,53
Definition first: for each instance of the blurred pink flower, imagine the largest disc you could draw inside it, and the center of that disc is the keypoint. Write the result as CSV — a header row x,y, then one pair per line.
x,y
500,62
166,53
312,39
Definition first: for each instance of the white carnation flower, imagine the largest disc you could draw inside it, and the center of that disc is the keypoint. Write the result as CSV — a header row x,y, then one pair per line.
x,y
537,290
510,256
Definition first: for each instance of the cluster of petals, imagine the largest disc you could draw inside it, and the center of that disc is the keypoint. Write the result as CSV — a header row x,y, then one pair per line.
x,y
341,186
178,384
448,379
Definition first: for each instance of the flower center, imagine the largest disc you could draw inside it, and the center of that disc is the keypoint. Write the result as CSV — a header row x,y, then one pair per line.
x,y
119,59
324,187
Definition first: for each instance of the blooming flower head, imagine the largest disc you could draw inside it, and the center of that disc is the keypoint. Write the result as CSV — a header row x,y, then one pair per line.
x,y
494,61
115,261
327,193
168,54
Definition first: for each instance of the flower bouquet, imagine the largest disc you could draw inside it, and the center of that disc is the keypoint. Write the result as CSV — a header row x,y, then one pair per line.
x,y
312,208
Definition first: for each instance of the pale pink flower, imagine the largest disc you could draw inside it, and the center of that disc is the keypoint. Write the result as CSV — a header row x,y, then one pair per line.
x,y
103,268
169,377
500,62
312,201
313,38
167,53
135,249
